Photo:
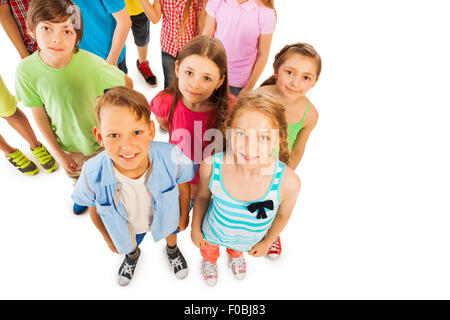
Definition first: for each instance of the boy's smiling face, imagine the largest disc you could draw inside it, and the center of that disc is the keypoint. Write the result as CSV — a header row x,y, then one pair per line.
x,y
56,42
126,139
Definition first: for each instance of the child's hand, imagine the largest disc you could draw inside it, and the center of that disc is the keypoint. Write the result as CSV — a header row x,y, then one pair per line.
x,y
67,162
259,249
197,239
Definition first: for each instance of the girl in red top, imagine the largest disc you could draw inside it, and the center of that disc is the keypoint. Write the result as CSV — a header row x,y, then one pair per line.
x,y
197,100
182,20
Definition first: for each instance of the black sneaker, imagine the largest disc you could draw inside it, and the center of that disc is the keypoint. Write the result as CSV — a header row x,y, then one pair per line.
x,y
147,73
178,264
126,270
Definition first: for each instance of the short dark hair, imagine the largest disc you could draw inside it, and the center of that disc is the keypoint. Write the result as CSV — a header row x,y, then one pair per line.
x,y
55,11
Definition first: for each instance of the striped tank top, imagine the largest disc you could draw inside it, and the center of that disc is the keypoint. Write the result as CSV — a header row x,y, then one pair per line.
x,y
236,224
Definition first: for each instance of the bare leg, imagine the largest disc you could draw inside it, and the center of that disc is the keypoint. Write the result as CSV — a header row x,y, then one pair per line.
x,y
172,240
142,53
20,122
5,147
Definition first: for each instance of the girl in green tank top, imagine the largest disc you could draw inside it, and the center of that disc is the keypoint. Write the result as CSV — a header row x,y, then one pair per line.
x,y
296,71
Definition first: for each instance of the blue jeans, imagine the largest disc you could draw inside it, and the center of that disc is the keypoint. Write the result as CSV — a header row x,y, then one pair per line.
x,y
235,90
123,65
168,64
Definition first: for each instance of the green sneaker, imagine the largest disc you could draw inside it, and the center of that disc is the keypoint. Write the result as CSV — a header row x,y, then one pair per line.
x,y
22,163
45,158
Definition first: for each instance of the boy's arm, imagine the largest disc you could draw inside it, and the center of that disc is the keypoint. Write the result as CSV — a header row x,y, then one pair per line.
x,y
120,35
152,11
101,227
11,29
289,189
265,41
43,123
209,27
201,203
185,200
302,138
128,82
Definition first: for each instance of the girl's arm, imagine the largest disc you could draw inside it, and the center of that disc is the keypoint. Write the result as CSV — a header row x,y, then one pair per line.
x,y
43,123
289,189
185,200
101,227
120,35
152,11
201,18
265,41
302,137
11,29
210,26
201,203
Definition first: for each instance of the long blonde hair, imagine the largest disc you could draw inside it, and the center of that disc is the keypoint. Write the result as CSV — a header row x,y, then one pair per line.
x,y
268,106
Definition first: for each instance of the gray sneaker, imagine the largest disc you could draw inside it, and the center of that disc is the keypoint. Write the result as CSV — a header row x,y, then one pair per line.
x,y
127,268
178,264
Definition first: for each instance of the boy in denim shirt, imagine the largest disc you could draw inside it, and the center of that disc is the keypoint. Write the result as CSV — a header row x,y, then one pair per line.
x,y
136,185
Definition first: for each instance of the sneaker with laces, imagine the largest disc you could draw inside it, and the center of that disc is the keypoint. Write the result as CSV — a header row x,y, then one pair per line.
x,y
209,272
22,163
238,266
45,158
178,264
147,73
126,270
275,249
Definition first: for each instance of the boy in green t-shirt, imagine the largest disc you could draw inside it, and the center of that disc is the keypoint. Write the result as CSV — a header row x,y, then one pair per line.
x,y
61,82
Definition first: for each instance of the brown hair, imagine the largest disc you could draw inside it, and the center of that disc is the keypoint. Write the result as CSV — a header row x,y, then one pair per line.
x,y
212,49
300,48
123,97
55,11
270,107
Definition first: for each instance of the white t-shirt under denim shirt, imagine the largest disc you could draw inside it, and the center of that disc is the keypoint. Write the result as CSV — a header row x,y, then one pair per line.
x,y
137,201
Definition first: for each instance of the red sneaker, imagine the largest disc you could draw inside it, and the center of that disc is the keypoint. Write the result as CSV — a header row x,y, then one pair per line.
x,y
275,249
147,73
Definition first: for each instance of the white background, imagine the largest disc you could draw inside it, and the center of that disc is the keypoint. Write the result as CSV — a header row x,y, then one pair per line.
x,y
372,218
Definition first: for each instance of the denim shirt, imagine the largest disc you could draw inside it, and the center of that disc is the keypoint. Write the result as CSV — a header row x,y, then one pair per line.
x,y
98,187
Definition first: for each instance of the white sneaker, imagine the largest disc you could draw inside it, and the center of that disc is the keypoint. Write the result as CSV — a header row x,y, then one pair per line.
x,y
209,272
238,266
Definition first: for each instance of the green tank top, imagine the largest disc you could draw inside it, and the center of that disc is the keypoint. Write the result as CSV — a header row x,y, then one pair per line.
x,y
294,128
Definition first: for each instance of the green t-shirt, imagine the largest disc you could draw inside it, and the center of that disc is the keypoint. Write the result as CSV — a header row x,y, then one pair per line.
x,y
68,95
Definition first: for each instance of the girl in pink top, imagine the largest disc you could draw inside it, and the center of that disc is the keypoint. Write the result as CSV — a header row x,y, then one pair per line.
x,y
197,100
245,28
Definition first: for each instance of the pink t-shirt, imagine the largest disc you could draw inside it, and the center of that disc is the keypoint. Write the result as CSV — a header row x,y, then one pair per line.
x,y
187,129
239,27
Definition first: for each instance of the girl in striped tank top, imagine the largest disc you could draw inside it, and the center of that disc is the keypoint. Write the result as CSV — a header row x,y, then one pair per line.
x,y
296,71
245,196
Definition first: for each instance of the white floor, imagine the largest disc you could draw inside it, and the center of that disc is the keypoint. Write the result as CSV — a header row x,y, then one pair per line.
x,y
372,217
